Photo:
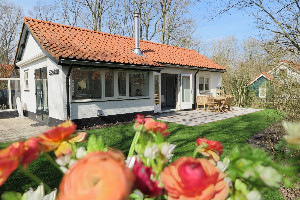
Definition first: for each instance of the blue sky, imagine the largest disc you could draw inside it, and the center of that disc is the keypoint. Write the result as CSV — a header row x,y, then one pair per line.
x,y
235,24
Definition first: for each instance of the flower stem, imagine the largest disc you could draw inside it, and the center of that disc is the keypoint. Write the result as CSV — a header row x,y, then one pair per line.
x,y
49,158
195,153
134,141
35,179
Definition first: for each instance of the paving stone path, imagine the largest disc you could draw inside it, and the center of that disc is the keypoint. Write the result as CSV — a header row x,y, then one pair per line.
x,y
199,117
13,129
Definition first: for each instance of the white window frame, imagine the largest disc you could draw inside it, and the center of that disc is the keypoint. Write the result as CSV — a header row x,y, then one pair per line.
x,y
262,94
26,78
209,83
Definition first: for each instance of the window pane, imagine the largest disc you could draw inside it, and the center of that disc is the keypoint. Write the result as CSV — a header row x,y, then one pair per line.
x,y
4,99
109,83
156,89
139,84
206,83
201,83
122,83
86,83
186,89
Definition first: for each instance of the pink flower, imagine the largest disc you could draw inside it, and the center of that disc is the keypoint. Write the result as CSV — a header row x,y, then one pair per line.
x,y
32,149
194,179
143,180
156,127
140,119
9,160
210,148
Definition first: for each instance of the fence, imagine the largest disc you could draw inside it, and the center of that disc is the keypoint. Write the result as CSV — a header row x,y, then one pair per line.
x,y
9,91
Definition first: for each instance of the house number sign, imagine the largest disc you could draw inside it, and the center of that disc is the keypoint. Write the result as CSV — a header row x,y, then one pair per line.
x,y
54,71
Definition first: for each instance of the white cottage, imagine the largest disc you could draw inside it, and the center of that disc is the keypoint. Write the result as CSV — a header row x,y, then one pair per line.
x,y
73,73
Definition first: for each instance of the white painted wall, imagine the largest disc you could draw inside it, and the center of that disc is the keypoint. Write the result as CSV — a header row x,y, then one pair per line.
x,y
33,58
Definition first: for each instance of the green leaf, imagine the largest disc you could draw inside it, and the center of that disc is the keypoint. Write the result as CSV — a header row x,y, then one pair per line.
x,y
11,196
95,144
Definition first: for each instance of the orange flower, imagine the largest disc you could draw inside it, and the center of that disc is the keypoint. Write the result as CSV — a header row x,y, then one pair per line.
x,y
58,138
210,148
32,149
190,178
9,160
155,127
99,175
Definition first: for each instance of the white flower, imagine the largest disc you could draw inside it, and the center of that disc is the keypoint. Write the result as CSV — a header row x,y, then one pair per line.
x,y
167,150
81,152
222,166
63,160
72,162
39,194
269,175
64,169
253,195
130,161
151,151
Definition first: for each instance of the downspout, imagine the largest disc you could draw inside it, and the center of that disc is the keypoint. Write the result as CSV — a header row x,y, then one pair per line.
x,y
68,92
195,90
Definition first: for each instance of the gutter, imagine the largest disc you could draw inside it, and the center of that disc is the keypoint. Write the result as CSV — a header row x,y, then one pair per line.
x,y
68,92
195,95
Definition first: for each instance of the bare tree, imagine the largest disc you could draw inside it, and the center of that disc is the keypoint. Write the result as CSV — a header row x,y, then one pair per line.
x,y
280,17
10,24
46,11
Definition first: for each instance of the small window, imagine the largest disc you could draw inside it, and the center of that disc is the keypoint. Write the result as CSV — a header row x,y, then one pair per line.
x,y
204,84
122,83
86,83
109,83
26,83
262,90
138,84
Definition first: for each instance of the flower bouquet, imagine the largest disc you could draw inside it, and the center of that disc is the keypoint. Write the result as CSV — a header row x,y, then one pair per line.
x,y
148,172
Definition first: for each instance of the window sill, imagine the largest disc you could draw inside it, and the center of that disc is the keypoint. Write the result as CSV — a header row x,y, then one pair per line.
x,y
106,100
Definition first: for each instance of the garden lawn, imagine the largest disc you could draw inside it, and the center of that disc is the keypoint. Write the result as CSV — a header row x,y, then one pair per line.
x,y
230,132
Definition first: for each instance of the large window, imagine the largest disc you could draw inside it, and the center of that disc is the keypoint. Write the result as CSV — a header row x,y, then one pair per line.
x,y
138,84
262,90
204,84
86,83
108,84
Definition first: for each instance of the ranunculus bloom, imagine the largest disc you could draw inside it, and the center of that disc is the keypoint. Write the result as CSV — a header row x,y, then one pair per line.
x,y
140,119
98,175
58,138
9,160
143,180
156,127
210,148
32,149
190,178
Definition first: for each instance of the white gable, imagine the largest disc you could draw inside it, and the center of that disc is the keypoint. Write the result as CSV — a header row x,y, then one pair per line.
x,y
291,73
31,52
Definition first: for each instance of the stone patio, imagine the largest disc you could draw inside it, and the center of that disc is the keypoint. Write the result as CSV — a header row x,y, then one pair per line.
x,y
199,117
13,129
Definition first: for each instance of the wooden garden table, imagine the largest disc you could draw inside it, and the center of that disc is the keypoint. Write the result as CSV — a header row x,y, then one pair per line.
x,y
218,101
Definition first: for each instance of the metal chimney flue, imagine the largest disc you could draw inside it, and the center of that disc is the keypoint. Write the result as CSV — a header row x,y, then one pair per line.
x,y
137,49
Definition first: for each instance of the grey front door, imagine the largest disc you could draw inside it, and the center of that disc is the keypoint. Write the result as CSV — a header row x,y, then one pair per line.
x,y
41,84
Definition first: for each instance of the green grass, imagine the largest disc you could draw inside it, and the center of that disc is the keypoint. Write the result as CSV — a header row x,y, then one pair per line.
x,y
230,132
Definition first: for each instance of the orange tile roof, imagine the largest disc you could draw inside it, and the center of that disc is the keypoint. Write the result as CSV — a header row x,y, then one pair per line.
x,y
265,74
67,42
296,66
6,71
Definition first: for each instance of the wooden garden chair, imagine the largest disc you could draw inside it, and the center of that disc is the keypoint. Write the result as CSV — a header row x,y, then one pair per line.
x,y
211,103
201,101
227,103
